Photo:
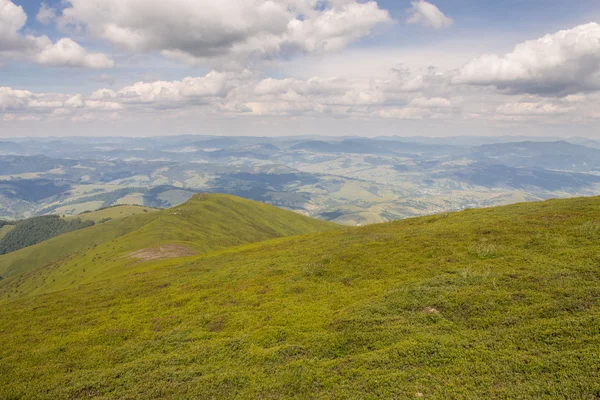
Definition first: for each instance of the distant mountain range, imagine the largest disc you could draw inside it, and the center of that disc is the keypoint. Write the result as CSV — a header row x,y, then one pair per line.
x,y
349,180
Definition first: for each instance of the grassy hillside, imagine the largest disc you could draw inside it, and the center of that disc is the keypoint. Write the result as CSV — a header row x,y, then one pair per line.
x,y
59,248
491,303
205,223
112,213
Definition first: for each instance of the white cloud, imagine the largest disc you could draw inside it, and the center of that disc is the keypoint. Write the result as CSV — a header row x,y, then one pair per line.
x,y
189,90
427,14
75,102
11,99
12,19
434,102
533,109
20,103
46,14
67,53
234,95
225,33
241,93
40,49
563,63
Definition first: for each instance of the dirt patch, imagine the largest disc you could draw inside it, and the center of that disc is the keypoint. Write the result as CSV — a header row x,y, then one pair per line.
x,y
159,253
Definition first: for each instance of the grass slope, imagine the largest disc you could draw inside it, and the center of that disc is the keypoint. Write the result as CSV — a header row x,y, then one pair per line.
x,y
492,303
59,248
112,213
205,223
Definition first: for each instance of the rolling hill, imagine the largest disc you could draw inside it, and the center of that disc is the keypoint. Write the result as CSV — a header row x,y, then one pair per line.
x,y
204,223
490,303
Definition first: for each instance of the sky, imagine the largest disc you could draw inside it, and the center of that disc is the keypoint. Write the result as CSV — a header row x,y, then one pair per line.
x,y
300,67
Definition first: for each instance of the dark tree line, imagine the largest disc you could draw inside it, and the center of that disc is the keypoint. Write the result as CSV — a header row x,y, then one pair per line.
x,y
3,223
35,230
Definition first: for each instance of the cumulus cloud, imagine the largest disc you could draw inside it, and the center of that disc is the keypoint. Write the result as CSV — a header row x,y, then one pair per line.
x,y
11,99
25,102
15,45
427,14
562,63
67,53
225,33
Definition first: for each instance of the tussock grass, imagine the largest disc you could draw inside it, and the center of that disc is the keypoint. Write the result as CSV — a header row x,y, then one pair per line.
x,y
589,230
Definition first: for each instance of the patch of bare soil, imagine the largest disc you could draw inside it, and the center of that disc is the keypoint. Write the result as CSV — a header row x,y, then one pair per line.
x,y
159,253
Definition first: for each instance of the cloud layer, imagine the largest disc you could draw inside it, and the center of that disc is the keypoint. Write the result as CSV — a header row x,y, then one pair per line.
x,y
414,95
551,80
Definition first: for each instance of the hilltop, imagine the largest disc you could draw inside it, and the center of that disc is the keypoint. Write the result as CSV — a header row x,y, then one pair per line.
x,y
490,303
204,223
109,213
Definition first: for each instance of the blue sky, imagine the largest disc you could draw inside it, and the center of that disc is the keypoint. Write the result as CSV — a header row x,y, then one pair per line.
x,y
440,68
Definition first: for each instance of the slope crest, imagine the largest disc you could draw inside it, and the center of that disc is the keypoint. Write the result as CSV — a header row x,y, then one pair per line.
x,y
205,223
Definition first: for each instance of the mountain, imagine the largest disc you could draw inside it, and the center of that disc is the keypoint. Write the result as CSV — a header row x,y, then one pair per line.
x,y
345,146
349,180
498,176
10,148
558,155
23,164
490,303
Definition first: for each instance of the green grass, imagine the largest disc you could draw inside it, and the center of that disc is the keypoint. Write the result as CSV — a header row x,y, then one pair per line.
x,y
112,213
492,303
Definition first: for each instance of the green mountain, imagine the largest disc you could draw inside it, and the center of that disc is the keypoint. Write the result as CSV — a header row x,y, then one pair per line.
x,y
490,303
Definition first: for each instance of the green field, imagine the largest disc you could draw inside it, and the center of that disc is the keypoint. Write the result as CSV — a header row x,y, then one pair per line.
x,y
491,303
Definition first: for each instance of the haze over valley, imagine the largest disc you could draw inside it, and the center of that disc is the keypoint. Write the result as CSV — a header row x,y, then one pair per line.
x,y
352,181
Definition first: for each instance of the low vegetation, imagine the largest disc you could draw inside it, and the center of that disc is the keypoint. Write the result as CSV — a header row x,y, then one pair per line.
x,y
490,303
